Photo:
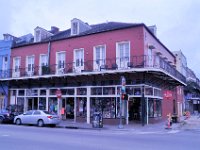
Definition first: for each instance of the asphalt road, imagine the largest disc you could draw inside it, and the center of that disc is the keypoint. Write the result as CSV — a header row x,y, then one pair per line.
x,y
14,137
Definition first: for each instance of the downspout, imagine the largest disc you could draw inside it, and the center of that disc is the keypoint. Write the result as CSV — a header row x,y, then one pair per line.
x,y
49,52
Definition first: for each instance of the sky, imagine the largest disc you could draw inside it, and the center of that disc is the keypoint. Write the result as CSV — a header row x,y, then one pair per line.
x,y
177,21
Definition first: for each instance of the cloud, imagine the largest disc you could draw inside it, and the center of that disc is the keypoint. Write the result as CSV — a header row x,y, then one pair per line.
x,y
5,17
177,21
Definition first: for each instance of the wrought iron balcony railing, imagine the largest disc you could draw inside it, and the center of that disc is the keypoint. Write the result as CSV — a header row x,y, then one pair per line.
x,y
123,63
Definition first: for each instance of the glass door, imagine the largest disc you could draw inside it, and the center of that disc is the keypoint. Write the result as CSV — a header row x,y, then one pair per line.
x,y
43,64
16,69
79,59
123,54
99,57
30,65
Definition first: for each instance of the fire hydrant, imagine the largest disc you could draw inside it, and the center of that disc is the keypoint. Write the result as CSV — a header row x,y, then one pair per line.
x,y
169,121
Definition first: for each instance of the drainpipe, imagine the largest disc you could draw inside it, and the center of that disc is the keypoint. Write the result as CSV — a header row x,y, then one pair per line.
x,y
49,51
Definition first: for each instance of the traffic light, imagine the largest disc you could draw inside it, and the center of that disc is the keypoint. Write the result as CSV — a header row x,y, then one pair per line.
x,y
124,96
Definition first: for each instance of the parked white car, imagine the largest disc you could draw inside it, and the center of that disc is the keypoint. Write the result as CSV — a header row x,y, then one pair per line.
x,y
37,117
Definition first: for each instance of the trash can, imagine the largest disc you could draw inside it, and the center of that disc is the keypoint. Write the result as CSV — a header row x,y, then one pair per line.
x,y
97,121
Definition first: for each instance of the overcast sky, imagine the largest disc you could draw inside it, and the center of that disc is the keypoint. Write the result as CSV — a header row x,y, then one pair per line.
x,y
177,21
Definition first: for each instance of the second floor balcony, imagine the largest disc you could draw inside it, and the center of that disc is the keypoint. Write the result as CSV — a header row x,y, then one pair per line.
x,y
79,67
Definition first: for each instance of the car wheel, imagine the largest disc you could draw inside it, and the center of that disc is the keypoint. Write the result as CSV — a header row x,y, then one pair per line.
x,y
18,121
1,120
40,123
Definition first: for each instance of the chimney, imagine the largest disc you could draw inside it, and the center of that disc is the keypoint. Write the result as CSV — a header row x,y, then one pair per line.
x,y
54,29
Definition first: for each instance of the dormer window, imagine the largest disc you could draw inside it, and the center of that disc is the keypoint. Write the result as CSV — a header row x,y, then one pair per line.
x,y
74,28
78,26
37,36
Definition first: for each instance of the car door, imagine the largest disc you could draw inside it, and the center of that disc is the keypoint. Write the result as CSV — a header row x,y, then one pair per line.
x,y
26,118
35,117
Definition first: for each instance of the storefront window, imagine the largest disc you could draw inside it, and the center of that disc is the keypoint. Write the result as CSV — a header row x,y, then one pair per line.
x,y
43,92
52,91
155,109
20,103
106,106
151,108
157,92
53,105
31,92
21,92
81,107
157,105
96,91
81,91
148,91
70,92
42,103
137,91
108,90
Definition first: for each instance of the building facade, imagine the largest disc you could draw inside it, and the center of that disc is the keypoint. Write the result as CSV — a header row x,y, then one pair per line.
x,y
192,93
86,63
5,49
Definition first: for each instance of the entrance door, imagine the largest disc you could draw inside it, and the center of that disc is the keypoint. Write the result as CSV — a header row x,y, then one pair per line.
x,y
69,107
32,103
134,109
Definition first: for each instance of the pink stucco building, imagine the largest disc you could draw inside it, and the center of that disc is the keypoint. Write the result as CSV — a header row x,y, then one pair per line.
x,y
86,62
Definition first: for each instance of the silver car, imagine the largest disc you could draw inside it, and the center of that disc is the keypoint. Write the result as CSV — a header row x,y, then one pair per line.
x,y
37,117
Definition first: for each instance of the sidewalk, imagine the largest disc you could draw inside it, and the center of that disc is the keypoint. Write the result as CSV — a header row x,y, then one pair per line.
x,y
192,123
157,127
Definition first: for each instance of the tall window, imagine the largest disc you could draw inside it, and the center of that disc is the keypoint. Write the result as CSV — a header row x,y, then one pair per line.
x,y
30,64
99,56
123,54
5,63
79,58
61,60
150,58
43,64
16,65
5,66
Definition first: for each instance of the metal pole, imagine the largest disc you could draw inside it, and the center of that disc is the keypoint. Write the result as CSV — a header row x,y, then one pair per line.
x,y
143,106
120,113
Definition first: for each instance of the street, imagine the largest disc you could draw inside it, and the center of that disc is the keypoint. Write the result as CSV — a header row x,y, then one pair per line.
x,y
35,138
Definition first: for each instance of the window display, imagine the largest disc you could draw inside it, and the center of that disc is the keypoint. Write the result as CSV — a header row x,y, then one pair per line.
x,y
155,107
106,106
